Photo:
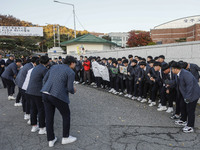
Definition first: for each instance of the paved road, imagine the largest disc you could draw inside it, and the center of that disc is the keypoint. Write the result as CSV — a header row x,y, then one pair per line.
x,y
100,121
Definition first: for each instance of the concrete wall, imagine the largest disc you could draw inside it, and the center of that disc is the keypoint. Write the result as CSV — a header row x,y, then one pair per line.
x,y
187,51
72,49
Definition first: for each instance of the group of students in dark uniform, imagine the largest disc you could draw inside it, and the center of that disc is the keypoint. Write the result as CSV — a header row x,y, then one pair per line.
x,y
151,81
43,86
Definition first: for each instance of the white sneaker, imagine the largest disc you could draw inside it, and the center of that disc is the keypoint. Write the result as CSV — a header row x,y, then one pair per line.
x,y
159,105
162,108
180,123
187,129
68,140
120,93
51,143
150,101
83,84
18,104
144,100
129,96
11,98
34,128
42,131
92,83
170,110
126,95
29,122
113,91
152,104
134,98
26,116
139,98
116,93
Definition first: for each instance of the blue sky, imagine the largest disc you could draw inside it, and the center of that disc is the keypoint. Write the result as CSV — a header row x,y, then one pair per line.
x,y
102,15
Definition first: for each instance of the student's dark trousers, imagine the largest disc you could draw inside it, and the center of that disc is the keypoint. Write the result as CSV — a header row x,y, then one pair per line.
x,y
50,104
19,95
98,81
77,78
81,75
27,103
129,86
4,84
113,82
37,108
135,93
141,88
146,89
119,84
154,93
10,86
87,76
22,93
188,112
171,97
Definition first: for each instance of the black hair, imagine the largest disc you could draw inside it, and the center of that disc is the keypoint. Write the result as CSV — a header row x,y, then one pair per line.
x,y
59,57
157,64
150,57
114,59
171,62
110,58
130,56
115,62
142,63
18,60
34,59
143,59
125,61
151,61
44,60
123,57
165,67
69,59
176,65
119,59
134,60
86,57
162,56
37,62
184,65
156,58
81,56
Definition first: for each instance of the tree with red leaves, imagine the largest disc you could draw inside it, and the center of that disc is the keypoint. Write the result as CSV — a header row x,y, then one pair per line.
x,y
139,39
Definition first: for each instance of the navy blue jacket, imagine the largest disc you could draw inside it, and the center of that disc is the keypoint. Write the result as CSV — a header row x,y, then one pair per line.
x,y
194,69
8,62
22,74
188,85
10,72
36,78
59,82
2,62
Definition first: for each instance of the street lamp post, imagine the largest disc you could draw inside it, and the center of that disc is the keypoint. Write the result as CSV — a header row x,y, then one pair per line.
x,y
73,14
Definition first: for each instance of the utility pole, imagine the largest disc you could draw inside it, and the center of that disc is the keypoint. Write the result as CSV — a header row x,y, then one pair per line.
x,y
73,14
